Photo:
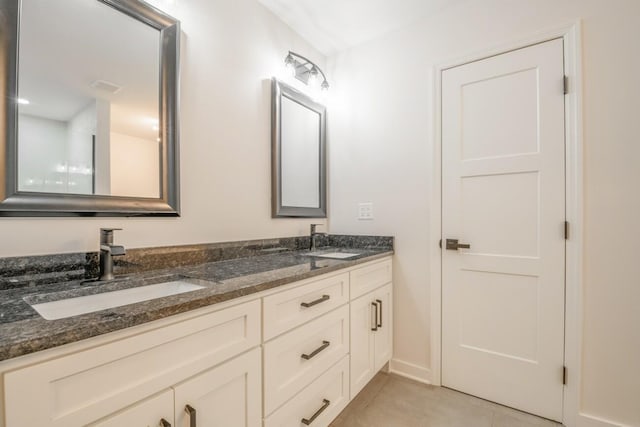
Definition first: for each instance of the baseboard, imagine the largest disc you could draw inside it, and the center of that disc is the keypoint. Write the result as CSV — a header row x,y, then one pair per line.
x,y
410,370
585,420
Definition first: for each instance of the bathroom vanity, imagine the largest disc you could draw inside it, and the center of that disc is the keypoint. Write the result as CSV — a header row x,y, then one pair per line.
x,y
271,340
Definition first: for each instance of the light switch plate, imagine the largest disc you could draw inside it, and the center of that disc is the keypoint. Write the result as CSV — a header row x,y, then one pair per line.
x,y
365,211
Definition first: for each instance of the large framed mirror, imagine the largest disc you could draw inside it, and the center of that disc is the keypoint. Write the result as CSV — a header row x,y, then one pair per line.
x,y
298,147
89,124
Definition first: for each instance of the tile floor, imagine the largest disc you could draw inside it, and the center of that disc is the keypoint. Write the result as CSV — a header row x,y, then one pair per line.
x,y
392,401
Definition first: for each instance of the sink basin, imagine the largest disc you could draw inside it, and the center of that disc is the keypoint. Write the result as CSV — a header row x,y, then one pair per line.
x,y
334,255
88,304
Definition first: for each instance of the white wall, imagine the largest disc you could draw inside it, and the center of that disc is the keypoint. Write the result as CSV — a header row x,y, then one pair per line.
x,y
135,166
230,50
381,137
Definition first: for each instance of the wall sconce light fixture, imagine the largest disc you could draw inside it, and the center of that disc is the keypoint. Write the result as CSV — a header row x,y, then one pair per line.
x,y
304,70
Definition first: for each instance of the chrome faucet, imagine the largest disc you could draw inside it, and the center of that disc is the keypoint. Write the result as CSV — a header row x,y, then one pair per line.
x,y
107,251
314,234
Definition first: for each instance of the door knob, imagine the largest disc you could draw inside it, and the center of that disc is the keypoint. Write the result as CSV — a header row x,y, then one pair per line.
x,y
453,245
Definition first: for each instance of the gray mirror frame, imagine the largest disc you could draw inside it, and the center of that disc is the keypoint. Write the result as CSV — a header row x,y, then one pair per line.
x,y
278,90
20,203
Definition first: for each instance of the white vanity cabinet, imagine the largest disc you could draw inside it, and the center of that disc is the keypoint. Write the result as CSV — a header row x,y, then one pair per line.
x,y
294,355
107,377
339,343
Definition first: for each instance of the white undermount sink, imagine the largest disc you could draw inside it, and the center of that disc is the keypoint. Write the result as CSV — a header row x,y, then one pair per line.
x,y
88,304
334,255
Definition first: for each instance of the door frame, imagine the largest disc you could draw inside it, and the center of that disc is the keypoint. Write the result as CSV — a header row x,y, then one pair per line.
x,y
574,151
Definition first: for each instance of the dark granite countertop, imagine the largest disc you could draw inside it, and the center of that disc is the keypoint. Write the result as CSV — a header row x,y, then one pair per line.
x,y
24,331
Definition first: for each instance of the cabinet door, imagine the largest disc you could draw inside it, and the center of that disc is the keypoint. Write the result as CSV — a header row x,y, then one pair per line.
x,y
362,342
147,413
226,396
383,337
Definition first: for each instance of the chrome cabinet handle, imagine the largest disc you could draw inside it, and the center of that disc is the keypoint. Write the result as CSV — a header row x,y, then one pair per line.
x,y
453,245
324,345
375,320
323,298
192,415
380,322
164,423
325,405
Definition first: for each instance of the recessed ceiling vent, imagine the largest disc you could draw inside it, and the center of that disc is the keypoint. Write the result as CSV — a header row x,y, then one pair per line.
x,y
106,86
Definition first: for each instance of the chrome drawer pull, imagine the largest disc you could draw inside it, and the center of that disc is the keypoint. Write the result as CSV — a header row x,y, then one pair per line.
x,y
318,301
325,405
164,423
192,415
324,345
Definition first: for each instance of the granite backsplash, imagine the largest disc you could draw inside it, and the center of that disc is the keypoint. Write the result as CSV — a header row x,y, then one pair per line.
x,y
16,272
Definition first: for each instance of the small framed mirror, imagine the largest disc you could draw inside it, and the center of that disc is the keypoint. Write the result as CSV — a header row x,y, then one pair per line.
x,y
298,150
90,120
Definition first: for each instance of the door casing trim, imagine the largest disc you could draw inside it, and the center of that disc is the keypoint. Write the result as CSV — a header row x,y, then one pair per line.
x,y
574,195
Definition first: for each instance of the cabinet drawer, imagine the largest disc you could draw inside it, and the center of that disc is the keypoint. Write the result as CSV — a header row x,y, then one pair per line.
x,y
330,391
296,358
146,413
368,278
288,309
83,387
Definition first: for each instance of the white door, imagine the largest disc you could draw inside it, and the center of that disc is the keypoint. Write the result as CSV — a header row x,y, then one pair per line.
x,y
503,194
228,395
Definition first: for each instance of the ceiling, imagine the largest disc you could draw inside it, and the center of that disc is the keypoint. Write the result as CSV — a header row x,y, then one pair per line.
x,y
334,25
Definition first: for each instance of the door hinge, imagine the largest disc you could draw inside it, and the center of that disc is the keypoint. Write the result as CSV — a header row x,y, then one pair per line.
x,y
440,244
566,230
565,82
564,375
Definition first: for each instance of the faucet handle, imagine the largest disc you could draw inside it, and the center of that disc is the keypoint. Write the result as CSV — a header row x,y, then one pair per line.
x,y
108,230
118,250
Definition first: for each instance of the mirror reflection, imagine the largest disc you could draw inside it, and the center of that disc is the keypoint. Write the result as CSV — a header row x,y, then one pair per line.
x,y
300,155
88,101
